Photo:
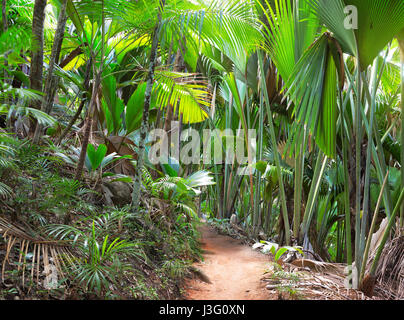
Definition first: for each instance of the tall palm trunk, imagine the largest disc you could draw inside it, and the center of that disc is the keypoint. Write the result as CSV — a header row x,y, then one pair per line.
x,y
299,167
277,157
4,29
145,120
4,14
35,76
401,42
178,67
88,126
86,85
90,114
52,81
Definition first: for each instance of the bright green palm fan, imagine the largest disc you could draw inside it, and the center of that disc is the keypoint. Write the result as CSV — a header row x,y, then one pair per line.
x,y
379,21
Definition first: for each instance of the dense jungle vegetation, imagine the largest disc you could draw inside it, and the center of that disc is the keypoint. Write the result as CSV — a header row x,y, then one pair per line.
x,y
86,214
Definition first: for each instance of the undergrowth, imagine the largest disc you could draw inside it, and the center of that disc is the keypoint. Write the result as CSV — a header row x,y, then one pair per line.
x,y
115,253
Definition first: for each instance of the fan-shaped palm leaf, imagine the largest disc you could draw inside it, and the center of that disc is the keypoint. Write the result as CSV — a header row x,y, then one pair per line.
x,y
313,88
229,26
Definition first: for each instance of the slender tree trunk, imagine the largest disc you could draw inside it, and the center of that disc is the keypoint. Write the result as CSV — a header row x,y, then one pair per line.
x,y
347,206
145,120
88,126
277,158
401,42
52,81
94,96
358,171
298,186
86,86
268,215
35,76
72,55
4,14
4,29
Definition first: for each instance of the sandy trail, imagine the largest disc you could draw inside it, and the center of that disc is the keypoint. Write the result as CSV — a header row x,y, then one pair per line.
x,y
234,269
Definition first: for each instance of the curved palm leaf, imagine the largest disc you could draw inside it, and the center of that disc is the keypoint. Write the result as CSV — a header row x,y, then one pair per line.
x,y
185,92
375,28
313,88
229,26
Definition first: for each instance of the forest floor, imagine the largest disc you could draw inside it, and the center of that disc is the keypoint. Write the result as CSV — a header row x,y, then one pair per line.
x,y
234,270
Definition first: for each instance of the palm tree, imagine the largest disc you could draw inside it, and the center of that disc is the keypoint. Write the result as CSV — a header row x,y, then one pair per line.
x,y
312,84
51,82
147,98
401,43
37,45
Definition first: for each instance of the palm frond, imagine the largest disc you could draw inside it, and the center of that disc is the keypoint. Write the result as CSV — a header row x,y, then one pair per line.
x,y
332,15
313,87
280,36
199,179
375,26
187,93
187,209
230,26
5,191
46,253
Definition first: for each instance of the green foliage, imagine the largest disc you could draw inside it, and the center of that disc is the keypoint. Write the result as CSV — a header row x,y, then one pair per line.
x,y
39,191
317,93
102,259
184,93
134,108
7,151
269,247
96,156
21,108
312,89
176,269
179,191
95,161
289,282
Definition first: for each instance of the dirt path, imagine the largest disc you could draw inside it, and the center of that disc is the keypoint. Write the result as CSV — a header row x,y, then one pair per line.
x,y
234,269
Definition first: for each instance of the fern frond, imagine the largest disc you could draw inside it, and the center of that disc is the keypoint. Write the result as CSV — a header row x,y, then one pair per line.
x,y
187,210
5,191
186,92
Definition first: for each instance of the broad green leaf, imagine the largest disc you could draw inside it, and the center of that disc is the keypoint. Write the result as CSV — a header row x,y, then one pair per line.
x,y
96,156
261,166
134,109
114,104
279,253
184,93
313,89
332,15
74,16
379,21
